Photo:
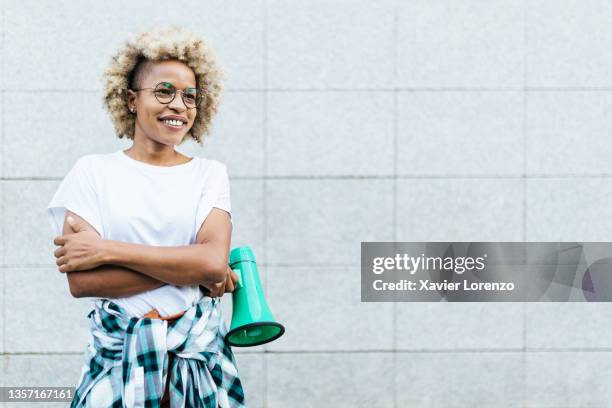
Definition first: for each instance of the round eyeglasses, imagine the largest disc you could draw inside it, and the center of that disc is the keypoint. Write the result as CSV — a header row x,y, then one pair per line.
x,y
165,93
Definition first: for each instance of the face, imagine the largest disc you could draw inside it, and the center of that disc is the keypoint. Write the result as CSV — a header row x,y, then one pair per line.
x,y
150,113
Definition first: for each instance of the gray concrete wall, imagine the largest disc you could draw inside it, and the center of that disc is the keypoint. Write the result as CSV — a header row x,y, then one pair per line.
x,y
343,121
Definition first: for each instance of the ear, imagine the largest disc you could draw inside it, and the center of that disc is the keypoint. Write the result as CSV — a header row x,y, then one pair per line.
x,y
131,99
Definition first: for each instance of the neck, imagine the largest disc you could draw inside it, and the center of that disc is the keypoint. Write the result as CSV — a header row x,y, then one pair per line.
x,y
150,151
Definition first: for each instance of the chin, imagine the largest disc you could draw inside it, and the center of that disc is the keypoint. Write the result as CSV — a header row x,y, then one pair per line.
x,y
166,140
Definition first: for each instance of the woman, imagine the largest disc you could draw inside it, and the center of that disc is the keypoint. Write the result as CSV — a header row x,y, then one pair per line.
x,y
146,233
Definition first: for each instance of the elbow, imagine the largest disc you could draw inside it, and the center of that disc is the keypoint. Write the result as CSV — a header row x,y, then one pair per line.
x,y
75,291
76,288
215,273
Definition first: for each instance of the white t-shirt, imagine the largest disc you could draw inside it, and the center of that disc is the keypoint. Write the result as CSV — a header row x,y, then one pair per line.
x,y
131,201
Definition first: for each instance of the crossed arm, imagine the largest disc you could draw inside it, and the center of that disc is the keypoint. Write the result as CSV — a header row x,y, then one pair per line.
x,y
124,269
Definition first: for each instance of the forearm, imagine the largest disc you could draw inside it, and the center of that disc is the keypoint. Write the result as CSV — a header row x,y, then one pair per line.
x,y
110,281
178,265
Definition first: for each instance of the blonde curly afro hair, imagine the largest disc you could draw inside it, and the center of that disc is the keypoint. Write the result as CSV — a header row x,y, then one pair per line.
x,y
132,61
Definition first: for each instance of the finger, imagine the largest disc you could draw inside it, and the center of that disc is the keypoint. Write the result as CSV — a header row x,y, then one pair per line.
x,y
229,284
64,268
234,277
59,252
222,288
71,222
62,260
59,240
217,289
76,226
228,271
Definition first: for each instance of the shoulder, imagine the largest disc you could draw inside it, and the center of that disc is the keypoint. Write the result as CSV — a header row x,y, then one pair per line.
x,y
91,165
214,167
93,160
214,174
82,164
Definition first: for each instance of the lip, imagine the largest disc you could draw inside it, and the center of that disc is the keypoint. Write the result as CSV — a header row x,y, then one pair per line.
x,y
172,128
176,117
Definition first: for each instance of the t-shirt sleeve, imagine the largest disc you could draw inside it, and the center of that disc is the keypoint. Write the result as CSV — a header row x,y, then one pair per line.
x,y
217,195
78,194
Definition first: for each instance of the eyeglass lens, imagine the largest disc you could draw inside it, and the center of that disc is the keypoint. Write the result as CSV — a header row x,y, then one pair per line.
x,y
165,93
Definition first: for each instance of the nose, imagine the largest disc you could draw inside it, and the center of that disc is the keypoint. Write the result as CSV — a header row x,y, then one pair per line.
x,y
177,103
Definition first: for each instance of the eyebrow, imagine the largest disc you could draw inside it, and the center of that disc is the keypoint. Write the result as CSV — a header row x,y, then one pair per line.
x,y
168,82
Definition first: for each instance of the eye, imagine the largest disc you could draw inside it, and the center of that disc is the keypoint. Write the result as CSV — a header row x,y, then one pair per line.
x,y
164,92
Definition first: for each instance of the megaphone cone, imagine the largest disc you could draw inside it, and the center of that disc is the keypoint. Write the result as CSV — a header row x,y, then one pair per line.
x,y
252,321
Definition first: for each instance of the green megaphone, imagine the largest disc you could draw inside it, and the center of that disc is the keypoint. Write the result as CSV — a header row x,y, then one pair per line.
x,y
252,321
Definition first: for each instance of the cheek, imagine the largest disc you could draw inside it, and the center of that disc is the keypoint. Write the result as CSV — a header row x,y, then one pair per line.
x,y
150,118
190,123
150,122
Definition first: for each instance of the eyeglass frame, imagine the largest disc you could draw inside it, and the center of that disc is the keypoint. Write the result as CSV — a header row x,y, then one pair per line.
x,y
182,91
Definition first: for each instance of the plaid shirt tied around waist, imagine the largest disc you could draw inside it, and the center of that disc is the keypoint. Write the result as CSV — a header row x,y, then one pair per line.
x,y
126,361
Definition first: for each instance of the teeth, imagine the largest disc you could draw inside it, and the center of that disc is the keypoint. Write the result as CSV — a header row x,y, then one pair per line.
x,y
173,122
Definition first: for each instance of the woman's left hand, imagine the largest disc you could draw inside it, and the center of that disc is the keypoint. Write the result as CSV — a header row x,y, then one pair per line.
x,y
227,286
79,251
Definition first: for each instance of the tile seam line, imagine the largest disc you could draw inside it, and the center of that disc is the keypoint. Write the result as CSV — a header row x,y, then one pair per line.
x,y
2,190
389,177
524,187
2,209
265,171
395,205
297,264
383,89
517,350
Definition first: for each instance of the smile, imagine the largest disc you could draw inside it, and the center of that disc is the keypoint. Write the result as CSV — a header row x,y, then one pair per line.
x,y
173,124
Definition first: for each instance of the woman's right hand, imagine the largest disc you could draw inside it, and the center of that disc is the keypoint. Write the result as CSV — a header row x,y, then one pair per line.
x,y
228,285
